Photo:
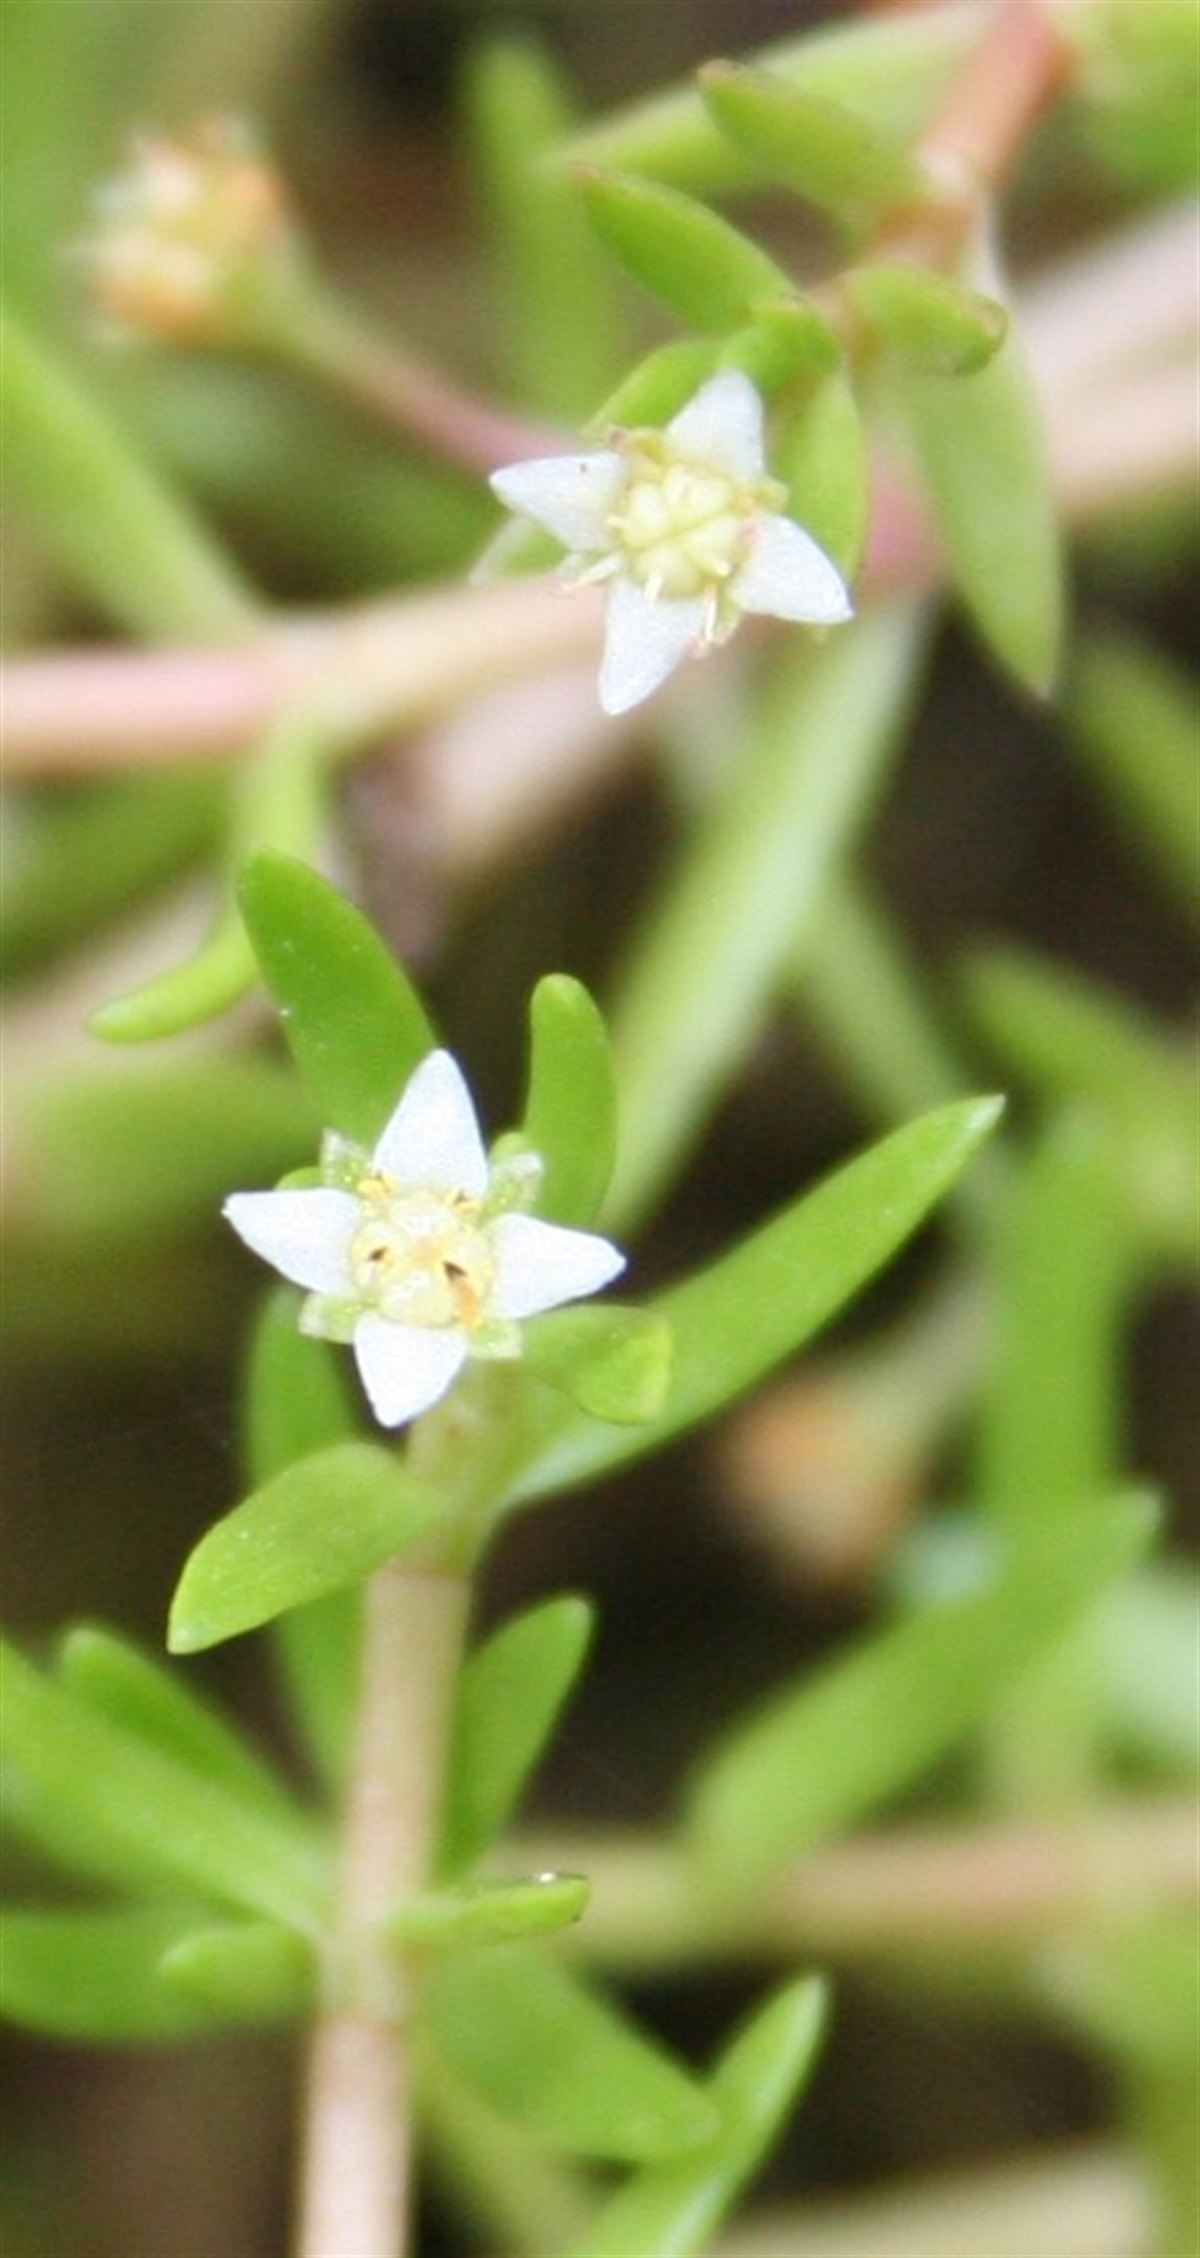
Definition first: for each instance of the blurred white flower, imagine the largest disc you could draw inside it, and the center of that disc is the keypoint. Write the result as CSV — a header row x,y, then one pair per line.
x,y
413,1253
687,528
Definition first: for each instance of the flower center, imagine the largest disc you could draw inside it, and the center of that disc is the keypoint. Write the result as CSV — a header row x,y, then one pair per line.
x,y
684,527
421,1258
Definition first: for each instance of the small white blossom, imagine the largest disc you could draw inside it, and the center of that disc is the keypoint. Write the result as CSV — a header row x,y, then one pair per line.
x,y
414,1254
686,527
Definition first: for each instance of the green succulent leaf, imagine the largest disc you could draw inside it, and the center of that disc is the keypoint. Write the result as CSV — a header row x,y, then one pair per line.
x,y
121,536
571,1106
355,1026
614,1363
818,147
734,1322
935,325
983,463
890,70
243,1971
825,1753
822,453
787,338
510,1697
552,2053
669,2210
490,1913
1076,1043
112,1807
657,387
152,1704
96,1976
322,1523
702,267
138,1150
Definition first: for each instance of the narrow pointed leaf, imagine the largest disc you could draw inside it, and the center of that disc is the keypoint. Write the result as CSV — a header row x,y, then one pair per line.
x,y
891,69
323,1523
153,1704
244,1972
355,1026
571,1107
670,2210
704,269
825,1753
747,888
490,1913
818,147
557,2057
71,1775
96,1976
983,462
510,1697
735,1321
119,534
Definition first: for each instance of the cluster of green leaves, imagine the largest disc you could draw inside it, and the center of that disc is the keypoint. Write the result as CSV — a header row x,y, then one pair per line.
x,y
213,1875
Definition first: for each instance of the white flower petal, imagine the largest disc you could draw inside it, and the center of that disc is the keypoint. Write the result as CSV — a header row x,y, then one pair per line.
x,y
539,1265
570,495
787,575
306,1234
722,425
644,638
405,1368
432,1140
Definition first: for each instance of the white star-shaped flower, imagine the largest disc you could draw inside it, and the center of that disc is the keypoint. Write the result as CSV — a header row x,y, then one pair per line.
x,y
686,527
413,1253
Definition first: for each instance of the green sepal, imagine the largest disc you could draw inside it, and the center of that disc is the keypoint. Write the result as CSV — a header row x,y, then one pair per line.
x,y
113,1808
323,1523
355,1026
571,1105
822,150
243,1971
825,1753
95,1976
983,463
670,2210
489,1913
704,269
737,1319
551,2052
932,323
510,1696
821,453
613,1362
657,387
152,1704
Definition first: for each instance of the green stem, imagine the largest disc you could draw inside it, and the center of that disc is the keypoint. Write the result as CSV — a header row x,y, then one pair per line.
x,y
357,2165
